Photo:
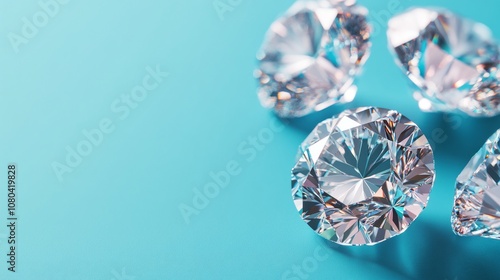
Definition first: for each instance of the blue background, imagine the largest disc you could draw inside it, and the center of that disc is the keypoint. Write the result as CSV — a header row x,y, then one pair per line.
x,y
116,215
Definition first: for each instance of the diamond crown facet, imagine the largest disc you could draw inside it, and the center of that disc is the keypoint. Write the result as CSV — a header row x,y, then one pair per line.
x,y
477,199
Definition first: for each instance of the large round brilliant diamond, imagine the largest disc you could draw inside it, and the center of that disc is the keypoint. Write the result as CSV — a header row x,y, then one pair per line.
x,y
363,177
311,55
453,60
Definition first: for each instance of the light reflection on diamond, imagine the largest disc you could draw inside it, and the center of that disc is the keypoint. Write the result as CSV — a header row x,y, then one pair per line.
x,y
311,55
363,177
477,199
454,61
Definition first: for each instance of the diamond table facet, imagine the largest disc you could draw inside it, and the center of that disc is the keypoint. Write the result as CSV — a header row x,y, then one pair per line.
x,y
363,177
311,55
477,199
452,60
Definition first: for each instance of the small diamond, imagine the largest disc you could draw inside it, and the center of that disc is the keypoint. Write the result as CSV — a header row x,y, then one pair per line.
x,y
363,177
477,198
454,61
311,55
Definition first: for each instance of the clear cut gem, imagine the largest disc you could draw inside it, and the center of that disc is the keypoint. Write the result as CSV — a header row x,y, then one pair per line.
x,y
311,55
477,199
452,60
363,177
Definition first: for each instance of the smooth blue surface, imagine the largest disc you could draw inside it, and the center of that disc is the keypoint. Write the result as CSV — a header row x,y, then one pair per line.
x,y
116,215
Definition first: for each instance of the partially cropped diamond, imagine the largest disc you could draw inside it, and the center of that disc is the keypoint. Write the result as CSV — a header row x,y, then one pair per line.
x,y
454,61
311,55
363,177
477,198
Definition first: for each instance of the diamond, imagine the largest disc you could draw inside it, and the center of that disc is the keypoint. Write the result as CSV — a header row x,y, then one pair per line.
x,y
452,60
311,56
363,177
477,198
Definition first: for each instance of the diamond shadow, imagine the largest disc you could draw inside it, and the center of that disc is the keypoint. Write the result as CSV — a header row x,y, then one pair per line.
x,y
429,252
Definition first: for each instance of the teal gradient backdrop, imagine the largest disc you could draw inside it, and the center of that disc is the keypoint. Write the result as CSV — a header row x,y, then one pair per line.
x,y
115,212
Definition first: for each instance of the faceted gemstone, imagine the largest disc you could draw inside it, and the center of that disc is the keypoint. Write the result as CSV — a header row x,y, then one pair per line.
x,y
363,177
452,60
477,198
311,55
